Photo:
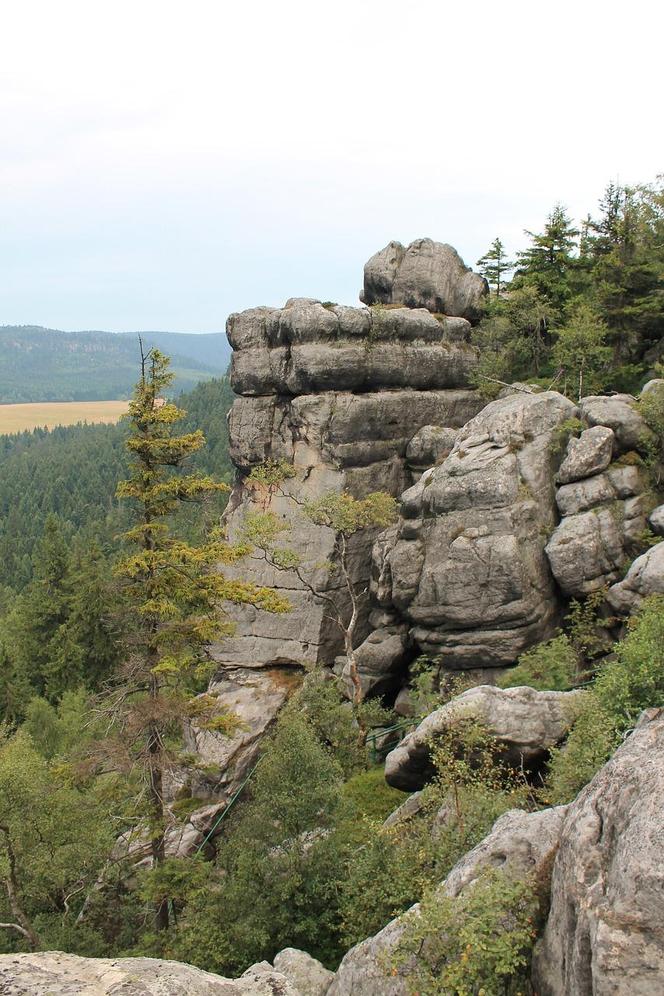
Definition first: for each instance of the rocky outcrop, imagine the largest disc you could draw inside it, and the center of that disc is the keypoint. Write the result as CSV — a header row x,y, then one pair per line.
x,y
605,931
526,724
617,412
466,567
425,274
645,577
305,973
52,973
338,393
381,661
520,843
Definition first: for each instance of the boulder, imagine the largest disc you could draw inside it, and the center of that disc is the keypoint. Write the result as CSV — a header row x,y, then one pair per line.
x,y
523,843
587,455
430,445
604,935
380,661
656,520
525,722
587,551
619,413
305,974
425,274
656,384
466,567
53,973
645,577
616,483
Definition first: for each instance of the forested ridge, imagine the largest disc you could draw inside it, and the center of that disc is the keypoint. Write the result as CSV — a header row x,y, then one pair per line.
x,y
38,364
103,646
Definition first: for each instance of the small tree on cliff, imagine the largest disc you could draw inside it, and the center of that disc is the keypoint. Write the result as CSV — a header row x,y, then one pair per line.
x,y
495,265
174,597
345,516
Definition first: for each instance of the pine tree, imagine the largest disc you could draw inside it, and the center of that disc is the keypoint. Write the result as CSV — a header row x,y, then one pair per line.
x,y
174,600
548,264
494,264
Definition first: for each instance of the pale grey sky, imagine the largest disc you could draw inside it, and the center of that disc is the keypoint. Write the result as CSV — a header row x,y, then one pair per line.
x,y
166,163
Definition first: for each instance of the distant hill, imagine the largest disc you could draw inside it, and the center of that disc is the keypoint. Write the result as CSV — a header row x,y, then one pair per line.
x,y
38,364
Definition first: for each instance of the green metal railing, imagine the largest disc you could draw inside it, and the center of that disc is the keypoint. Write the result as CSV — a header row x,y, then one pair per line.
x,y
226,810
398,728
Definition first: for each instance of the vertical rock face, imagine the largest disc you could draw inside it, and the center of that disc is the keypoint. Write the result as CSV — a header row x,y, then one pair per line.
x,y
466,566
605,931
426,274
338,393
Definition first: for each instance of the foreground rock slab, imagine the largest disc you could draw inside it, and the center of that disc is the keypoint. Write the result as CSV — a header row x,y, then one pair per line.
x,y
525,722
53,973
605,931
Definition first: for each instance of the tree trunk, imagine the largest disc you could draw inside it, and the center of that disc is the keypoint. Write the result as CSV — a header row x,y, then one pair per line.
x,y
23,924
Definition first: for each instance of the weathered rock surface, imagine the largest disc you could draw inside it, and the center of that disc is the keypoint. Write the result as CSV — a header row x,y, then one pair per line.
x,y
587,455
525,722
466,567
429,446
523,843
605,931
53,973
254,697
305,973
619,413
426,274
656,520
645,577
306,348
617,483
587,551
520,842
380,661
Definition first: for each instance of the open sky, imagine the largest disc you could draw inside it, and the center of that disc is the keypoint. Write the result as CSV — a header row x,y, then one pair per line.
x,y
165,163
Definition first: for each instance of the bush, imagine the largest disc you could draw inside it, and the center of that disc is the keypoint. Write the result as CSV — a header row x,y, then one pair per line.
x,y
550,666
625,686
479,942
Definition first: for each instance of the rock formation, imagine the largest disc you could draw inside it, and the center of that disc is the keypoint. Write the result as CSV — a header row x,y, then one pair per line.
x,y
525,723
521,843
466,567
426,274
605,931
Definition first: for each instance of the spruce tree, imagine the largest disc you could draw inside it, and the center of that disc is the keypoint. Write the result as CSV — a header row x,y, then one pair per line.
x,y
494,264
173,596
548,264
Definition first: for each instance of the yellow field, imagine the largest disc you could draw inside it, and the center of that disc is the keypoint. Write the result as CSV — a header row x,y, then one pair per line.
x,y
16,418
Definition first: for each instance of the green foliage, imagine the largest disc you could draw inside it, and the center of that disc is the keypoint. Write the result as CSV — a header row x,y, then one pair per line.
x,y
548,264
72,472
624,686
53,840
651,407
477,942
278,867
569,428
549,666
581,352
588,625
